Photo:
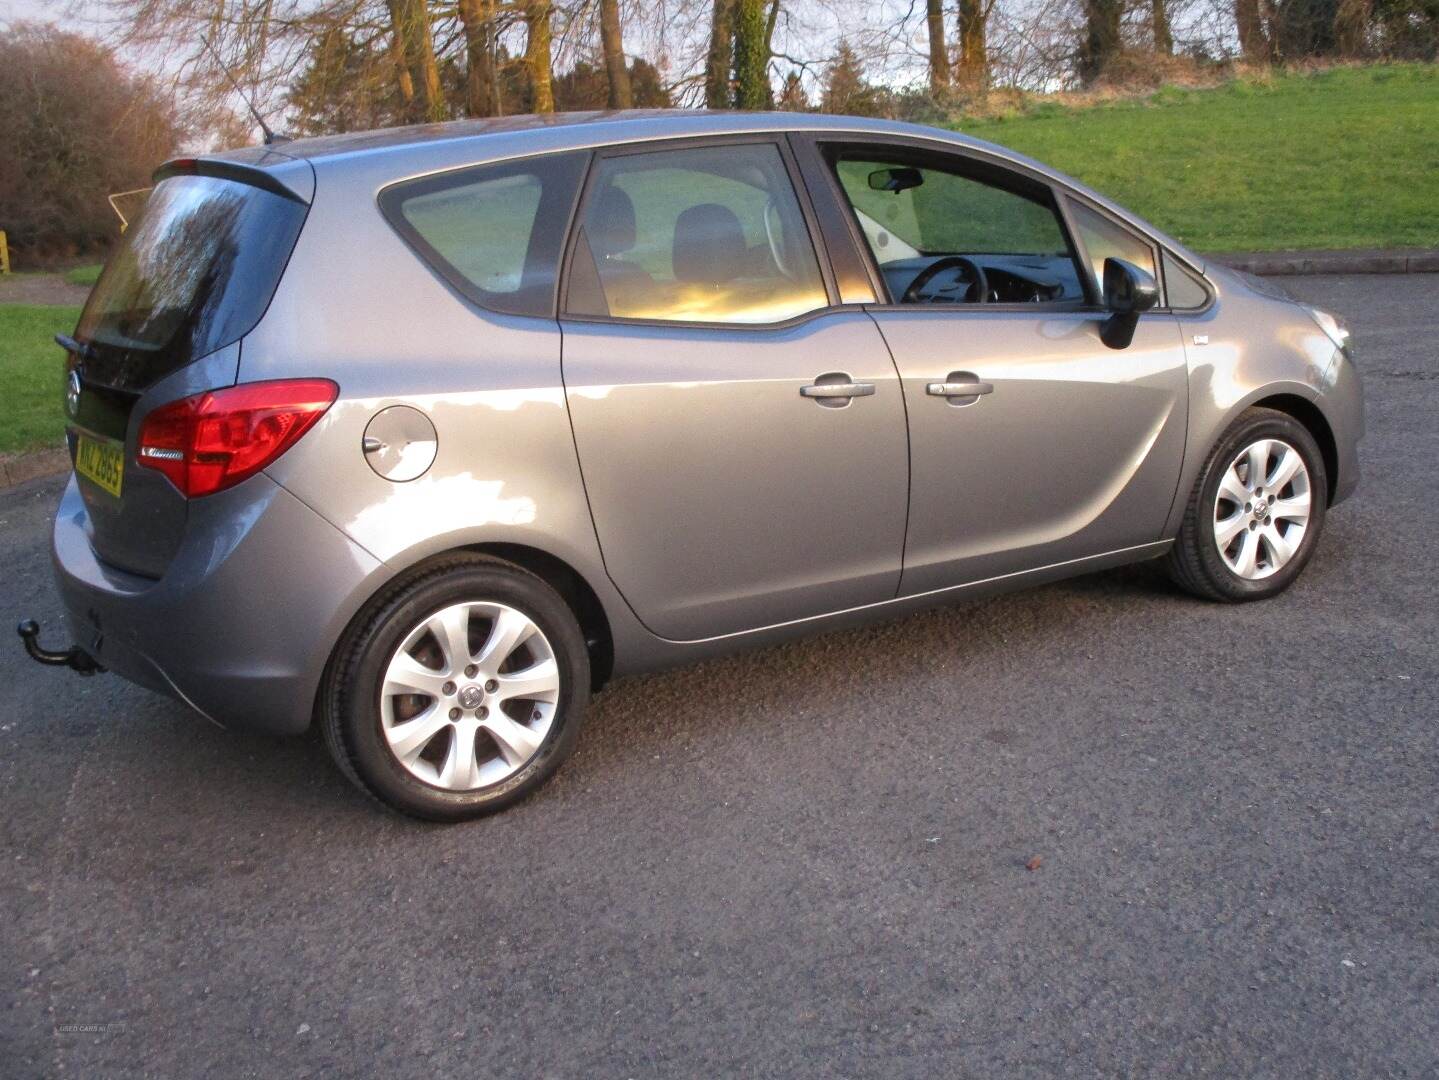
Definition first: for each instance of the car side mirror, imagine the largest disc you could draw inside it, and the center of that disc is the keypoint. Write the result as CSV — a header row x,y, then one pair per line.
x,y
896,179
1128,293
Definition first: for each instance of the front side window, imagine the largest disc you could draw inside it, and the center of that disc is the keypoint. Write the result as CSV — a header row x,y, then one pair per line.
x,y
708,234
1103,239
494,232
944,233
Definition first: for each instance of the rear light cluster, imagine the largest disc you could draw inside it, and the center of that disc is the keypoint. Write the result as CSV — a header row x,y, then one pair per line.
x,y
212,441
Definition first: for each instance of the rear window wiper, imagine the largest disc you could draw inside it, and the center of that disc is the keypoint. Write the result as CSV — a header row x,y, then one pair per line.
x,y
70,345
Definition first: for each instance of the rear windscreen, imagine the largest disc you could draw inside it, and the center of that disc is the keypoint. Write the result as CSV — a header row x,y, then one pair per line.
x,y
192,275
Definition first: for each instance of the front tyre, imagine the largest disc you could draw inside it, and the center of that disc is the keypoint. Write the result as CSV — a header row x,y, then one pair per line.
x,y
459,691
1255,513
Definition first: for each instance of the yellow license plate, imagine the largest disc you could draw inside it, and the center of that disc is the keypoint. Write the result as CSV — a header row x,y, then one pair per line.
x,y
101,462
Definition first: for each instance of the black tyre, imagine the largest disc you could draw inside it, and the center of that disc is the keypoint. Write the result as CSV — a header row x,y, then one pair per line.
x,y
458,691
1255,513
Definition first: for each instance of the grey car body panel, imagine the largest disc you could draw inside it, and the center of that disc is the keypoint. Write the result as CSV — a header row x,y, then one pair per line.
x,y
216,631
678,426
280,564
1247,348
1005,483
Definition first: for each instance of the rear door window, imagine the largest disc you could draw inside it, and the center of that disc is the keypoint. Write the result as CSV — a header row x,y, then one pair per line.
x,y
709,234
494,232
192,275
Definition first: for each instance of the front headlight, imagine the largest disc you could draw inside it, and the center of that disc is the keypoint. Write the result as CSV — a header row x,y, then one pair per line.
x,y
1335,329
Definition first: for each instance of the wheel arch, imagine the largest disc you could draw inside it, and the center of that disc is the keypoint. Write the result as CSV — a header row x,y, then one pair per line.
x,y
576,592
1312,417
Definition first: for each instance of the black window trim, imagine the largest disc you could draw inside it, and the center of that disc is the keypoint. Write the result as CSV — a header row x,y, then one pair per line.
x,y
391,197
778,140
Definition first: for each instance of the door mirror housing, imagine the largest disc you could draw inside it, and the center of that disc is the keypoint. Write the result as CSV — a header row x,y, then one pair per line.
x,y
1128,293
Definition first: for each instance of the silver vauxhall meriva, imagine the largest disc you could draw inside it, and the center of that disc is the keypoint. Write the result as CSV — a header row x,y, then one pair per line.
x,y
425,434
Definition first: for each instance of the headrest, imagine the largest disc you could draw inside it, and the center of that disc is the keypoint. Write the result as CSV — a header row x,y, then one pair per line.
x,y
709,245
612,224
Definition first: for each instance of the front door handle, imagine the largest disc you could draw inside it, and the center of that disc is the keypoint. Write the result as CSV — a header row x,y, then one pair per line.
x,y
959,389
835,388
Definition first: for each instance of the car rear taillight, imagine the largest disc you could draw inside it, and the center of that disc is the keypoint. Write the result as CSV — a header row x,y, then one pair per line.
x,y
212,441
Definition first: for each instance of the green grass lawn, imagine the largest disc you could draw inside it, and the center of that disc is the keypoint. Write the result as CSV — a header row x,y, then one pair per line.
x,y
1347,157
31,374
84,275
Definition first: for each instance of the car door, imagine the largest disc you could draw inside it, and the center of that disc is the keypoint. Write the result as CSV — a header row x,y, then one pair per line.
x,y
1032,443
742,441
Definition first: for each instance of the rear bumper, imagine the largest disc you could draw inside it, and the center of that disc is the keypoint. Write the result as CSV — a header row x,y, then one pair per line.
x,y
242,622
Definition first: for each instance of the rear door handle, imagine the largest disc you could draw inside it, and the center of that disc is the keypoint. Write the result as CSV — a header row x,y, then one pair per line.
x,y
959,389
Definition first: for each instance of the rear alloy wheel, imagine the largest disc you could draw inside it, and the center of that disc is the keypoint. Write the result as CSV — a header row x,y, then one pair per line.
x,y
461,692
1255,513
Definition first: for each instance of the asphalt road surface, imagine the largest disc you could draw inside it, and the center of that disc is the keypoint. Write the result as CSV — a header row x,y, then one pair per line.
x,y
809,861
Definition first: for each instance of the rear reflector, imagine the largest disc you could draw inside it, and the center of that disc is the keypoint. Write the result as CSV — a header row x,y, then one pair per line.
x,y
212,441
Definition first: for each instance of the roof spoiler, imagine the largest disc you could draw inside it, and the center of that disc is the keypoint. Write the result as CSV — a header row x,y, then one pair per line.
x,y
274,178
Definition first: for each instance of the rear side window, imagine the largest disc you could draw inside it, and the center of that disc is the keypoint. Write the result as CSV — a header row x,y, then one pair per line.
x,y
192,275
704,234
494,232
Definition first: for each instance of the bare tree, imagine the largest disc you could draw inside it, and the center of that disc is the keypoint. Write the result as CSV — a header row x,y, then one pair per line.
x,y
613,45
477,20
1159,20
938,48
1101,41
415,46
720,55
974,42
538,32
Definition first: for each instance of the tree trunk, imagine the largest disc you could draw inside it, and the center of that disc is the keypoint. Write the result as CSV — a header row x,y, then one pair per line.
x,y
410,24
612,42
1102,40
721,55
973,45
1351,22
938,52
1163,36
751,57
1252,42
537,56
477,20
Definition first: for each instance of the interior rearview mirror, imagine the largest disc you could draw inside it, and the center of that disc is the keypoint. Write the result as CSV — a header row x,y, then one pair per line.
x,y
1128,292
896,179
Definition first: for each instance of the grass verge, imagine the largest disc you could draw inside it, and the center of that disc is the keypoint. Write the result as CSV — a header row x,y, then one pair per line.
x,y
1341,158
31,366
84,275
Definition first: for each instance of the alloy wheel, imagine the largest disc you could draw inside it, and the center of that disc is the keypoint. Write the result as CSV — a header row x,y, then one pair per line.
x,y
1262,508
469,695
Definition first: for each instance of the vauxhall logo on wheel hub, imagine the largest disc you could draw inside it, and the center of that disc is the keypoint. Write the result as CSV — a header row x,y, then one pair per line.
x,y
472,697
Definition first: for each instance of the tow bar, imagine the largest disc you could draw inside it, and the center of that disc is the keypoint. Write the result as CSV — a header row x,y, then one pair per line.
x,y
74,658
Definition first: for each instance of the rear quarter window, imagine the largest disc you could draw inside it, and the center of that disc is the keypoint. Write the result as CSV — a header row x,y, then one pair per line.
x,y
494,232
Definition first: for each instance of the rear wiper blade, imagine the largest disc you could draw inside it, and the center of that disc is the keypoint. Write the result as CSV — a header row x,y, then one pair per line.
x,y
70,345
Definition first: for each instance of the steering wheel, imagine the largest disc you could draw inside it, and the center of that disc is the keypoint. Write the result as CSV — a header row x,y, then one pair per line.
x,y
973,272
